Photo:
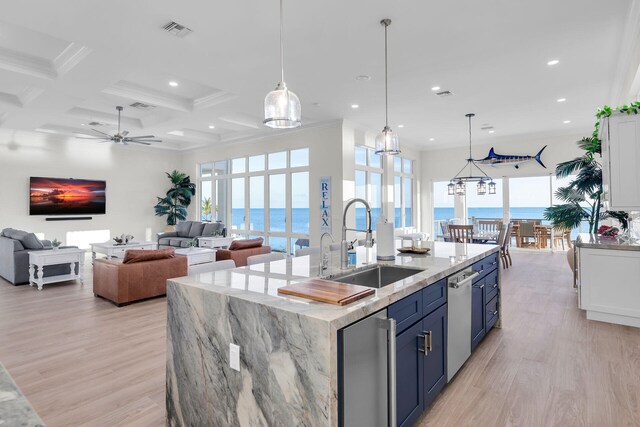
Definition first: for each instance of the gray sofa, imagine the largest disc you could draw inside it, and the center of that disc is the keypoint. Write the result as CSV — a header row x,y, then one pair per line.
x,y
15,246
187,231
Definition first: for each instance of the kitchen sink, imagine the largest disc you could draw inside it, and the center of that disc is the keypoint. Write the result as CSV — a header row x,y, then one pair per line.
x,y
376,276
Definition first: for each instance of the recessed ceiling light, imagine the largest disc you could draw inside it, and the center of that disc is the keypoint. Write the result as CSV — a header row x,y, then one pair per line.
x,y
363,77
354,106
435,88
553,62
400,126
492,131
173,84
567,122
561,99
432,139
316,104
212,127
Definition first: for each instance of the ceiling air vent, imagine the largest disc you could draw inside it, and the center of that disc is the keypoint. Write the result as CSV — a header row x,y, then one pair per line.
x,y
176,29
486,128
444,93
94,124
141,106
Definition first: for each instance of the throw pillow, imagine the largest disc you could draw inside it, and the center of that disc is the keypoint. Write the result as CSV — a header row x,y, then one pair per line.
x,y
15,234
30,241
182,228
246,244
141,255
211,228
196,229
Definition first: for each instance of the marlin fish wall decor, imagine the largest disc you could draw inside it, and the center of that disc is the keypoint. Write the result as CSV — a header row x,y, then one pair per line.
x,y
494,159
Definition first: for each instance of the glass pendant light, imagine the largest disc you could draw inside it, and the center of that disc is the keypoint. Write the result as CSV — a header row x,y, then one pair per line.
x,y
387,142
460,188
451,188
492,187
482,188
281,106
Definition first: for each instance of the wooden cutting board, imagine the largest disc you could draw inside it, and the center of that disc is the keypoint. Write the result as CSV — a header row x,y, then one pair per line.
x,y
327,291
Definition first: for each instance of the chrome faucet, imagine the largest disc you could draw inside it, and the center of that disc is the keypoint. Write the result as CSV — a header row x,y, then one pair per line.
x,y
369,237
324,261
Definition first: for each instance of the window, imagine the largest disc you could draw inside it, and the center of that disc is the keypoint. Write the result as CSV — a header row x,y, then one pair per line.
x,y
487,206
265,195
443,210
528,197
403,183
368,185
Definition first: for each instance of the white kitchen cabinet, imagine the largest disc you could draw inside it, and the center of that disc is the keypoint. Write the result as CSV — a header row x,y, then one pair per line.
x,y
620,136
609,285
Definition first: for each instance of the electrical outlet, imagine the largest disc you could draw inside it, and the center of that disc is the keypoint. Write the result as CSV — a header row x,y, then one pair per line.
x,y
234,356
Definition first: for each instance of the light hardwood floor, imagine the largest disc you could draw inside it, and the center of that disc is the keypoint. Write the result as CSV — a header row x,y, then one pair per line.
x,y
82,361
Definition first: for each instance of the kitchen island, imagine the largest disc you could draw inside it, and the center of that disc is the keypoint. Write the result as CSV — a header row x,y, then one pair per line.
x,y
290,364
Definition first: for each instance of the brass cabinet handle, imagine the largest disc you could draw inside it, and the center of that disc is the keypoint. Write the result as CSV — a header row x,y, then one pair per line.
x,y
495,285
494,262
423,350
479,286
494,313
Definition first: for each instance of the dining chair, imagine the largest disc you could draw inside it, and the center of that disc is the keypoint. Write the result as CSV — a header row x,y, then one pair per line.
x,y
461,233
263,258
307,251
490,229
526,233
502,236
444,226
559,236
543,236
504,248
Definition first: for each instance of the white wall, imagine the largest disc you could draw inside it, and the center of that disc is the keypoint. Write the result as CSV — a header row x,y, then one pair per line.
x,y
134,176
443,164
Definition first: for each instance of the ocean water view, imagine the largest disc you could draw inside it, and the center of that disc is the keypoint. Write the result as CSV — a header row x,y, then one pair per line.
x,y
300,219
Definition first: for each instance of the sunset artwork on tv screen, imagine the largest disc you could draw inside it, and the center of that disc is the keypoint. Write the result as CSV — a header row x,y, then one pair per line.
x,y
59,196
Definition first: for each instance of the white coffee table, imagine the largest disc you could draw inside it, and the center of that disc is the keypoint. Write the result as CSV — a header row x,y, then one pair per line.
x,y
215,242
112,250
40,259
197,255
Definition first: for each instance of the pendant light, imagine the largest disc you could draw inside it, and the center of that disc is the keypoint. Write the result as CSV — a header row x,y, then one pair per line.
x,y
457,185
281,106
387,142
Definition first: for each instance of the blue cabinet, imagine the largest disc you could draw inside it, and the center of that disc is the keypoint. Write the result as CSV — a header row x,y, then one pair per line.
x,y
477,312
409,375
434,329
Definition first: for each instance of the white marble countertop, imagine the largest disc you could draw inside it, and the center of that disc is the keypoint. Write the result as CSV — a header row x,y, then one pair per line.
x,y
15,409
259,283
586,240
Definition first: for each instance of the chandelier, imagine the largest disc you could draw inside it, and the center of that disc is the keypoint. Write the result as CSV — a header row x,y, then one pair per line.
x,y
458,184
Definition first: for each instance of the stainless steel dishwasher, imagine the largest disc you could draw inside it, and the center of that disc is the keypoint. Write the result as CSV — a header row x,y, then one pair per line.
x,y
368,380
459,327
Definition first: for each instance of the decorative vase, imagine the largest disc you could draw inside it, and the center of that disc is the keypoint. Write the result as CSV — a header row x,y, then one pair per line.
x,y
55,248
170,228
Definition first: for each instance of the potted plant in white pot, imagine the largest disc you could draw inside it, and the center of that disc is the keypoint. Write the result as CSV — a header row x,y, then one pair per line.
x,y
174,204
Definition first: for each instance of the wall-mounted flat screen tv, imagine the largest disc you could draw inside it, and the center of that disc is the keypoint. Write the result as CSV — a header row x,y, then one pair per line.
x,y
60,196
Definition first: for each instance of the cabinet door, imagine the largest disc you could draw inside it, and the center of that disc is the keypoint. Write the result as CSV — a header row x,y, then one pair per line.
x,y
477,312
409,375
434,328
622,154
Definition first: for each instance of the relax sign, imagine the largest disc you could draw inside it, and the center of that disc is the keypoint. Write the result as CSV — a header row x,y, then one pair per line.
x,y
325,204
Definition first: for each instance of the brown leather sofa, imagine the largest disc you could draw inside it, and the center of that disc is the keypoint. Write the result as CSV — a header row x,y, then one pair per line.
x,y
140,275
240,250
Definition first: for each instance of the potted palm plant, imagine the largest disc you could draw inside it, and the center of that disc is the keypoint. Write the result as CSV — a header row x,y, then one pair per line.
x,y
582,197
174,204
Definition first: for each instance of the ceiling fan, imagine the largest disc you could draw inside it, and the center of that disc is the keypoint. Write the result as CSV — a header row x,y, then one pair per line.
x,y
121,137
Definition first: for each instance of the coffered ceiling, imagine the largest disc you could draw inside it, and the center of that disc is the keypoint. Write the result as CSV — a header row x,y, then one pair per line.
x,y
65,65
